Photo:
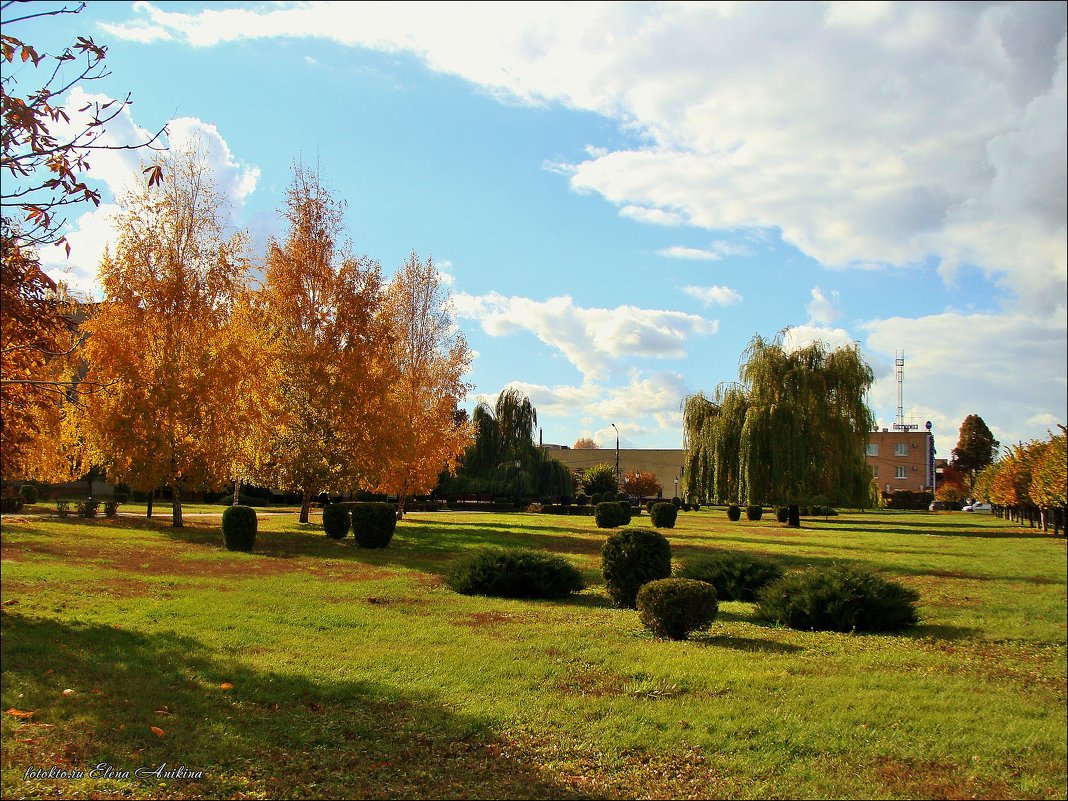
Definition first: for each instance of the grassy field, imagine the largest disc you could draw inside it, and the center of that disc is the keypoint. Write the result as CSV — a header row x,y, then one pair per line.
x,y
312,668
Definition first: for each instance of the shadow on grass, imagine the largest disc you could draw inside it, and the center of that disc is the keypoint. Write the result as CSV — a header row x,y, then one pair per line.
x,y
750,644
937,632
269,735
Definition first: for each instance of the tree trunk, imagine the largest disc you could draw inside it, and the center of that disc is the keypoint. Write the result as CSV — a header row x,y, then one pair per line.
x,y
237,491
176,505
305,506
151,495
400,506
794,520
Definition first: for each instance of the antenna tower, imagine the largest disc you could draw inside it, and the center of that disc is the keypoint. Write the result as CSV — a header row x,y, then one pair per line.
x,y
899,364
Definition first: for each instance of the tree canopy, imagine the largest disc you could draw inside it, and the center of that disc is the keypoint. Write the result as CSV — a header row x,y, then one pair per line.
x,y
793,427
975,449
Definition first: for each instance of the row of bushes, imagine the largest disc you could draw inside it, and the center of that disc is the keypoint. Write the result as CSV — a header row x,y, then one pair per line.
x,y
637,570
371,523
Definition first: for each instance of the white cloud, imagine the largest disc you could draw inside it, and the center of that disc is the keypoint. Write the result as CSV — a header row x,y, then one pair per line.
x,y
823,309
961,364
719,295
887,133
121,172
799,336
652,216
591,339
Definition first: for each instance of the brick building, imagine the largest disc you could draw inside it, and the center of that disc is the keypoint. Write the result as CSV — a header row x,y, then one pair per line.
x,y
901,460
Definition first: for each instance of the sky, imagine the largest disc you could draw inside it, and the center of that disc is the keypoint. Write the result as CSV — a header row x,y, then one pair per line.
x,y
622,195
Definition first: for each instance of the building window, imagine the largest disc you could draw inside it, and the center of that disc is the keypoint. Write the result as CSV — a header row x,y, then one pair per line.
x,y
875,471
873,449
901,472
901,449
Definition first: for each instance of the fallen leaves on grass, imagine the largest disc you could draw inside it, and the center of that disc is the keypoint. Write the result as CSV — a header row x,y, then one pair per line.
x,y
156,730
18,713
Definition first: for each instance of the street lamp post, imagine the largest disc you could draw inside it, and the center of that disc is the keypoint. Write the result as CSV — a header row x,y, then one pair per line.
x,y
617,454
518,464
676,486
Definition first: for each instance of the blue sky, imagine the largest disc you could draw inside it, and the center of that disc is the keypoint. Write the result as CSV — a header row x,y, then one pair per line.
x,y
624,194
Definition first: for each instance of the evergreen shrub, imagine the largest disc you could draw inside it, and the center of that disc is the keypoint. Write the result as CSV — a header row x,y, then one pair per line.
x,y
28,493
10,504
674,607
782,514
754,512
736,576
608,514
373,524
88,509
515,573
239,528
631,558
839,598
664,515
624,512
582,499
734,513
111,507
336,521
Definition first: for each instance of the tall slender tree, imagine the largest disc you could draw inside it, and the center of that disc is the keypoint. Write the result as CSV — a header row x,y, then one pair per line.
x,y
431,357
976,448
162,344
322,315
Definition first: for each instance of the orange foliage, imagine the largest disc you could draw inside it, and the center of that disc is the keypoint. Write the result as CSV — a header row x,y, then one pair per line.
x,y
431,357
645,485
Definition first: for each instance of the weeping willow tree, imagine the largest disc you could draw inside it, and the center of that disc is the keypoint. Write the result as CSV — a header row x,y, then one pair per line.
x,y
794,427
504,434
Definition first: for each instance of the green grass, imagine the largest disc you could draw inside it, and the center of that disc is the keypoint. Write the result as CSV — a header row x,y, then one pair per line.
x,y
359,674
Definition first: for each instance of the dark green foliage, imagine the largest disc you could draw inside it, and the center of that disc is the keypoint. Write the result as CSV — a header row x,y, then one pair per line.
x,y
565,500
782,514
28,493
910,499
736,576
88,509
674,607
582,499
631,558
664,514
600,478
62,508
596,498
976,447
336,521
111,507
10,504
734,513
754,512
608,514
624,512
239,528
121,497
839,598
822,511
677,501
515,573
373,524
695,506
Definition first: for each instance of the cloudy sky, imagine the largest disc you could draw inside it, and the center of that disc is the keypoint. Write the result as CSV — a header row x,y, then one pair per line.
x,y
624,194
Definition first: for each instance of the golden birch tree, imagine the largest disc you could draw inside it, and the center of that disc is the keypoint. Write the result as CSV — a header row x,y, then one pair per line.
x,y
431,357
323,316
165,343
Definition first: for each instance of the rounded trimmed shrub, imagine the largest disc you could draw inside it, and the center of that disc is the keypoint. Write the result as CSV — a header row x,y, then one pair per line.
x,y
28,493
734,513
664,515
754,512
839,598
624,512
631,558
10,504
674,607
597,498
373,524
88,509
515,573
582,499
677,501
782,514
736,576
608,514
239,528
336,521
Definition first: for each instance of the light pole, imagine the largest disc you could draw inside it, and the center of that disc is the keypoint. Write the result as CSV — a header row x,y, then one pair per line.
x,y
676,486
617,454
637,478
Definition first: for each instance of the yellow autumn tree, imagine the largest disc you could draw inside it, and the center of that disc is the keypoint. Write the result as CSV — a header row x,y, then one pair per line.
x,y
323,317
181,382
432,358
38,342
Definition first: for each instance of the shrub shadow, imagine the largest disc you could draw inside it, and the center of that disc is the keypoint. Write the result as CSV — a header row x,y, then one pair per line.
x,y
268,734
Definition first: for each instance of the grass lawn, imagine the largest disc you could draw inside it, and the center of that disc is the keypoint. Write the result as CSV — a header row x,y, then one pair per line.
x,y
311,668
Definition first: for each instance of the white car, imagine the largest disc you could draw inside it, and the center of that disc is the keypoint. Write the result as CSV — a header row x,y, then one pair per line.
x,y
977,507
